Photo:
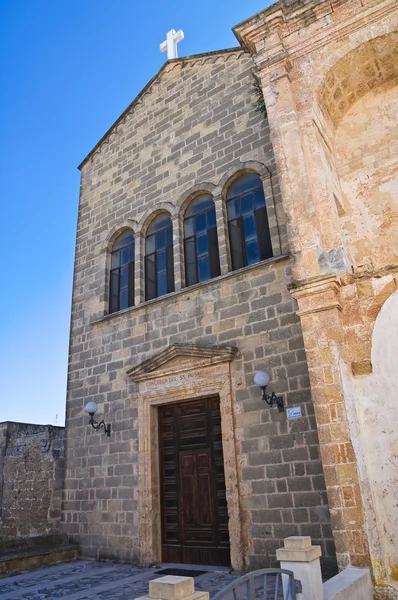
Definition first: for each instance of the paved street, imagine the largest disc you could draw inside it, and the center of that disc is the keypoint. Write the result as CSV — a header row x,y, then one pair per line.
x,y
83,580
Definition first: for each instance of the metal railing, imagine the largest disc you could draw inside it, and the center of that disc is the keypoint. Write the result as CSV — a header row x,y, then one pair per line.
x,y
265,584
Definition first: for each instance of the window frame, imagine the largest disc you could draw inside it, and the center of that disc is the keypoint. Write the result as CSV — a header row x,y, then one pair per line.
x,y
114,305
261,224
213,251
168,269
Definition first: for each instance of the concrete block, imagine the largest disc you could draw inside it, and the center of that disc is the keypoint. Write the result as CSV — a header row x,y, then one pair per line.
x,y
171,587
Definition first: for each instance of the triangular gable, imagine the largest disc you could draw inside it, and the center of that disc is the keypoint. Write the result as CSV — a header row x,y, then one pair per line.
x,y
179,358
168,64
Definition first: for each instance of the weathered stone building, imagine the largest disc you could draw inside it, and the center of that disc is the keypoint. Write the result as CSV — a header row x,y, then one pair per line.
x,y
31,475
214,242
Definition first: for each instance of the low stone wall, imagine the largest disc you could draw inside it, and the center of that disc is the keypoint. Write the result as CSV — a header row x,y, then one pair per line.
x,y
31,472
350,584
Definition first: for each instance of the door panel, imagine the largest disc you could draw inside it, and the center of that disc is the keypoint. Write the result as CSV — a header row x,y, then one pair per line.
x,y
193,497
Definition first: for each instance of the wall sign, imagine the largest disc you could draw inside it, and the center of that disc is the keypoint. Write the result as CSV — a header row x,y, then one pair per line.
x,y
294,412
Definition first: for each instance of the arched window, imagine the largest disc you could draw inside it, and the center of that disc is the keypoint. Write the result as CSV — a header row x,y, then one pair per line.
x,y
159,263
202,261
122,272
249,235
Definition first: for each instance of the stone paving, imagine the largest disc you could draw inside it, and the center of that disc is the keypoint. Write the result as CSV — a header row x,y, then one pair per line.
x,y
89,580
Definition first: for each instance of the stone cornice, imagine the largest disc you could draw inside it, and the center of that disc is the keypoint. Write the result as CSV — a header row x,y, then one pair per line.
x,y
317,294
284,30
191,356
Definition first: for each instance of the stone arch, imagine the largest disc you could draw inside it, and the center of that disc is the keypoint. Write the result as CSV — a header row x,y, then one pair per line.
x,y
352,75
185,198
150,214
114,233
238,169
377,409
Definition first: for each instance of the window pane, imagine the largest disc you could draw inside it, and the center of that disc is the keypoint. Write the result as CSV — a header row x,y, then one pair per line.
x,y
211,218
125,256
160,222
233,209
249,227
124,277
198,204
236,243
124,299
161,260
253,255
115,262
201,244
200,223
213,252
204,268
161,240
188,227
244,183
259,199
190,262
150,277
263,233
170,269
126,238
131,284
246,204
162,283
132,253
169,236
150,244
114,292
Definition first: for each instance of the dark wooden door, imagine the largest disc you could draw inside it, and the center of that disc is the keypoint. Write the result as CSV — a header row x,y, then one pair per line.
x,y
193,498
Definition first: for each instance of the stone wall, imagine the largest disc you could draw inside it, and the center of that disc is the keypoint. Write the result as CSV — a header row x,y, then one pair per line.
x,y
194,129
329,73
31,471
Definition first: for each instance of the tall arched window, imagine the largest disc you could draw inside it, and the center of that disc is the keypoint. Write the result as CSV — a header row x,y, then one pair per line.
x,y
202,261
159,263
249,235
122,272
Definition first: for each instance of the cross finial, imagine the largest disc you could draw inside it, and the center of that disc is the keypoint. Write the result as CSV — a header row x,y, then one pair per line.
x,y
170,44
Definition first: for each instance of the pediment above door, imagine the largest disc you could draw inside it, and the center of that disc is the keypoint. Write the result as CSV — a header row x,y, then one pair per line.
x,y
179,358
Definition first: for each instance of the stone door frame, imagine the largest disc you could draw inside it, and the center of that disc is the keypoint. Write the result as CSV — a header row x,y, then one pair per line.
x,y
189,380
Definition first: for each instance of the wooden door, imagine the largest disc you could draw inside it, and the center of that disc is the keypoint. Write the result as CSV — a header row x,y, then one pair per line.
x,y
193,498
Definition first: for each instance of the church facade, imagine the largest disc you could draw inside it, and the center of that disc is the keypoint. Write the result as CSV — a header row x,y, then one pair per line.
x,y
222,233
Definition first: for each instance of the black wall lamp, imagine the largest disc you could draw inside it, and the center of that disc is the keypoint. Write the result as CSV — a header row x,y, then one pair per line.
x,y
91,408
261,379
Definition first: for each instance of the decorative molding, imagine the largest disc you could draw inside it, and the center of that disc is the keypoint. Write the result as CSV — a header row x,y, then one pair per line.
x,y
190,356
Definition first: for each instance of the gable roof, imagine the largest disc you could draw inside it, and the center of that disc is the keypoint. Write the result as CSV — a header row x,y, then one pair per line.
x,y
183,60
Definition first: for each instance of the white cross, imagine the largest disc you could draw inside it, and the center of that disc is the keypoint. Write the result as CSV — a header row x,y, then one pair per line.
x,y
170,44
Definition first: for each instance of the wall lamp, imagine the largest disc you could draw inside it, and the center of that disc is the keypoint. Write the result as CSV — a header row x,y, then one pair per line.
x,y
261,379
91,408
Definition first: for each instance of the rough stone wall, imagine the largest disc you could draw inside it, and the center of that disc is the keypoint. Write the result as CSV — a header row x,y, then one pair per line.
x,y
329,71
366,157
197,127
31,472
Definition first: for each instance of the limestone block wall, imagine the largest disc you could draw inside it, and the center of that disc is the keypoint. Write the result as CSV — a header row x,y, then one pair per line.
x,y
194,129
31,472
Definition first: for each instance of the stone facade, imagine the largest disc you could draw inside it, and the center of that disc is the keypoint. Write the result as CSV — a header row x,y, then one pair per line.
x,y
193,128
329,76
31,474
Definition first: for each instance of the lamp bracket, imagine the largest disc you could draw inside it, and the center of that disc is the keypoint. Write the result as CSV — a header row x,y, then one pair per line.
x,y
97,426
273,400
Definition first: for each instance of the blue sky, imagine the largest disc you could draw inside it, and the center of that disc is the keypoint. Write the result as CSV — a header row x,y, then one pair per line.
x,y
68,69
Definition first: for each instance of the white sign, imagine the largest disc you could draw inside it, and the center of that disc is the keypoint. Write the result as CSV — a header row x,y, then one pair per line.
x,y
294,412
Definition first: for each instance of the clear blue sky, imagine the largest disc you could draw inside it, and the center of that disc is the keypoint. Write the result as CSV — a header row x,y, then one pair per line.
x,y
68,68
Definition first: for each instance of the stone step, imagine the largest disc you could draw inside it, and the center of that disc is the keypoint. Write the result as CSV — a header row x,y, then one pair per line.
x,y
35,557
